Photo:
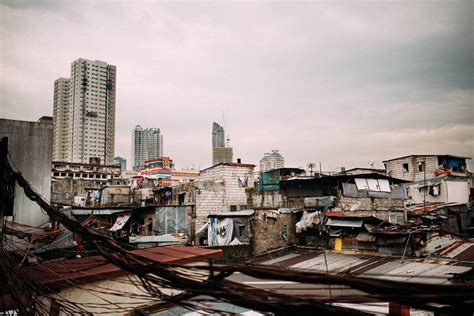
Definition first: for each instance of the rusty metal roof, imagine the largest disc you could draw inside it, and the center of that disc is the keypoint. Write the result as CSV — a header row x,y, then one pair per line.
x,y
60,274
462,250
386,268
423,208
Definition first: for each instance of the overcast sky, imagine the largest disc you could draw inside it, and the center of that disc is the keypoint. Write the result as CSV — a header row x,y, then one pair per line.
x,y
343,83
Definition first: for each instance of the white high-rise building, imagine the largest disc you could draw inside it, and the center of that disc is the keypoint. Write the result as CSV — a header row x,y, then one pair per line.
x,y
273,160
147,143
84,113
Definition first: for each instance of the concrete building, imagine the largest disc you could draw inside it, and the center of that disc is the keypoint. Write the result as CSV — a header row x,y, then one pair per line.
x,y
445,188
273,160
122,162
30,148
84,113
221,153
70,181
147,144
420,167
218,135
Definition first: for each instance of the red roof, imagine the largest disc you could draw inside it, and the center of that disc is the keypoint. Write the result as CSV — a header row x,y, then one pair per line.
x,y
335,214
58,274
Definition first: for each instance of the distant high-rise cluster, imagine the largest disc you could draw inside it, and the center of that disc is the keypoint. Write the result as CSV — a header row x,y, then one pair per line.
x,y
84,113
147,143
271,161
220,152
122,162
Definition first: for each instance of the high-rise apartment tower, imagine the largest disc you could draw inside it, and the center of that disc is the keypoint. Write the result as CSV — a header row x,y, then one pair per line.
x,y
220,152
273,160
147,143
84,113
218,135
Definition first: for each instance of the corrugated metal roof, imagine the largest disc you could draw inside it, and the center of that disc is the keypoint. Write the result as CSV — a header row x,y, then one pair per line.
x,y
233,214
386,268
58,274
344,222
460,250
98,211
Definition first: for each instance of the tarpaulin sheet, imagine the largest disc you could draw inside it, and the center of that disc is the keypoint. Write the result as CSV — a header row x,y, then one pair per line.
x,y
225,229
307,220
171,220
220,232
120,222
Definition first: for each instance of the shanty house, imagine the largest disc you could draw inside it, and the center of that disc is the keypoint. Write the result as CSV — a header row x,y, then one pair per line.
x,y
419,167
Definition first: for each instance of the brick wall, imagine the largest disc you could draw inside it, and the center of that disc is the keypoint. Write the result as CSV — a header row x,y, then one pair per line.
x,y
228,190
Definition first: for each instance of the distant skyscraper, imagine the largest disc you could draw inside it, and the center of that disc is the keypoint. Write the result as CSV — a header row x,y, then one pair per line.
x,y
218,135
147,143
271,161
220,153
84,113
122,162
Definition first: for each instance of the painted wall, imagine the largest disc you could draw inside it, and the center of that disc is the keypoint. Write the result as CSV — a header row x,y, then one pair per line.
x,y
451,191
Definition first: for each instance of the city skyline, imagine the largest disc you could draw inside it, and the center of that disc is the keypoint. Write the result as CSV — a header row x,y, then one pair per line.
x,y
392,76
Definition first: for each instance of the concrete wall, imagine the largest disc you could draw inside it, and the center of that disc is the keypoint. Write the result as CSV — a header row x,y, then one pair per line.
x,y
225,190
63,190
266,198
451,191
30,145
395,168
268,227
345,203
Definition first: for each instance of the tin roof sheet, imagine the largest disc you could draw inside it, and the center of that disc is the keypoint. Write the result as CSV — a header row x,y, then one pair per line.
x,y
60,274
386,268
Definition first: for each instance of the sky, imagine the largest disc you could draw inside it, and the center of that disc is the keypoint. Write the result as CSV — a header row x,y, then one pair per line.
x,y
347,84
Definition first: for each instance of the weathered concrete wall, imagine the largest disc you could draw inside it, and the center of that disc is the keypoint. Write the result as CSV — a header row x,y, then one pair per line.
x,y
116,196
225,189
272,230
266,198
450,191
63,190
30,145
395,168
345,203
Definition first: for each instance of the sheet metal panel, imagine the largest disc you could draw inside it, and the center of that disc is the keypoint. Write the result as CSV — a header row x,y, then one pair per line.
x,y
344,222
279,259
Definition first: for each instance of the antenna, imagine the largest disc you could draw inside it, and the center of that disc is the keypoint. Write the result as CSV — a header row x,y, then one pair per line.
x,y
227,135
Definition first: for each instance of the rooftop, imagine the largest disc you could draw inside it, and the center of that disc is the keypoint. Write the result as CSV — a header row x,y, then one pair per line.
x,y
412,155
60,274
377,267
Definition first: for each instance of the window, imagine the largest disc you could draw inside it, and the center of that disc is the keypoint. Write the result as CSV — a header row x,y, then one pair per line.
x,y
422,166
405,167
241,230
233,208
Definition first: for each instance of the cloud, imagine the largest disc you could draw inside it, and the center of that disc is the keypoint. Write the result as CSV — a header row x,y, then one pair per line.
x,y
341,83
